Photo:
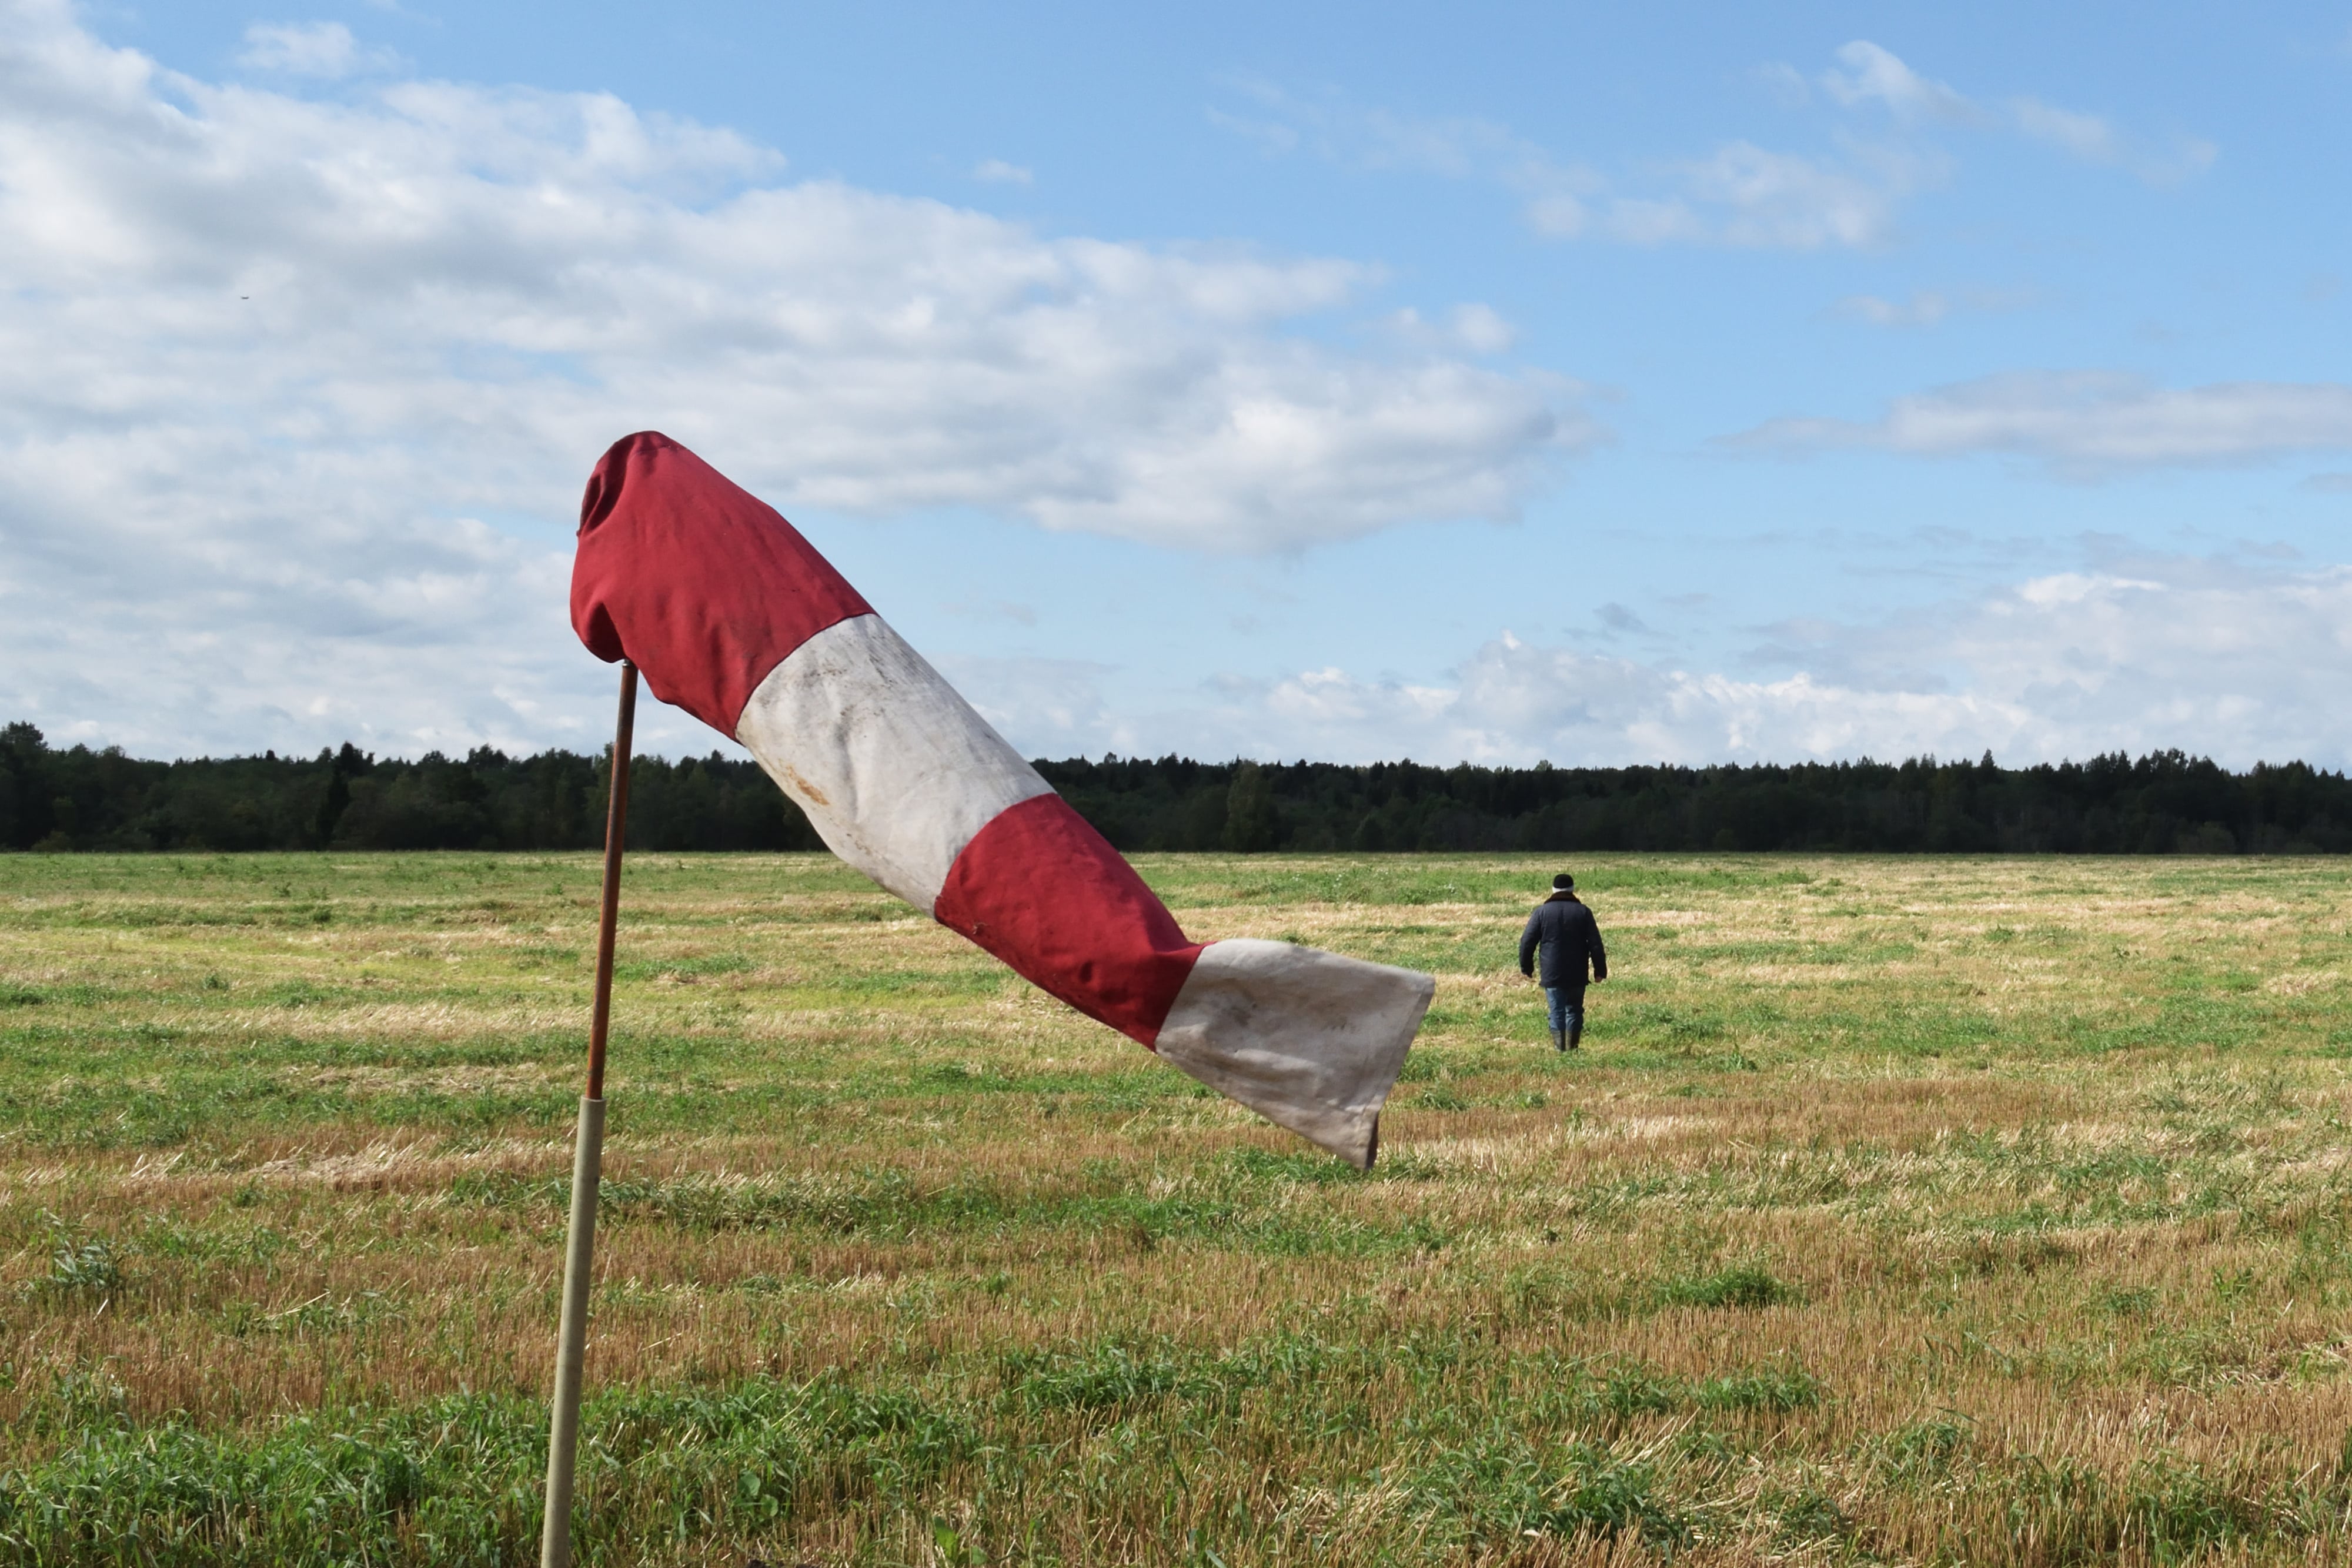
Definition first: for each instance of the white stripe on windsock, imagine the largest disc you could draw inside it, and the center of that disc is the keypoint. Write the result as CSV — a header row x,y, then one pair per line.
x,y
895,770
1310,1040
734,616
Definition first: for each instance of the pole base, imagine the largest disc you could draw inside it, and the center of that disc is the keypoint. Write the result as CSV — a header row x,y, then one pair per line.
x,y
572,1336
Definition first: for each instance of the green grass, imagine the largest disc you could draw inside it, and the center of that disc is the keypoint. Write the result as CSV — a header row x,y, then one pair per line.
x,y
1900,1211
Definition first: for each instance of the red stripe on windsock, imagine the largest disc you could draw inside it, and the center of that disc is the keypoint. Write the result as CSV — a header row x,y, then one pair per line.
x,y
731,616
1043,891
702,586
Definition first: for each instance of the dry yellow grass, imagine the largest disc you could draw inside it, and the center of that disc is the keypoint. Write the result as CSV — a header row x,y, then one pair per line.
x,y
1905,1210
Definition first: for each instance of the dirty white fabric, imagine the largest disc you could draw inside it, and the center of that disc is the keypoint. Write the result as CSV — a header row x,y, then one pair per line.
x,y
1310,1040
896,771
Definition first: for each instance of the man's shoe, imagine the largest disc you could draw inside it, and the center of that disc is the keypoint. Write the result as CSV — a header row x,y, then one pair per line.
x,y
1559,1039
1574,1035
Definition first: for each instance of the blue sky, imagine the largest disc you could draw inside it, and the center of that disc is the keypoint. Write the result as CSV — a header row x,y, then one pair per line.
x,y
1606,384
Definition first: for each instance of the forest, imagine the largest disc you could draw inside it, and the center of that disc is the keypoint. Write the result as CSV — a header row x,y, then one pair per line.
x,y
78,797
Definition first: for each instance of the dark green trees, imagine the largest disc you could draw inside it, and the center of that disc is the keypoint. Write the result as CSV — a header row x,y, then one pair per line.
x,y
2167,802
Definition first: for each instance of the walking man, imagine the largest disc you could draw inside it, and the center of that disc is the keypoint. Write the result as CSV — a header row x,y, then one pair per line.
x,y
1570,940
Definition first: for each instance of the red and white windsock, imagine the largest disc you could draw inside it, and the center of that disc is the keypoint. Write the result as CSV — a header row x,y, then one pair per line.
x,y
730,614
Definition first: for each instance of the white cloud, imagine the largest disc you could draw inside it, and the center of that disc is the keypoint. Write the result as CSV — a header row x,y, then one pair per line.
x,y
2215,660
1512,702
1330,127
1482,329
1927,307
1457,148
2095,140
2084,423
997,172
310,48
2087,136
1739,195
1923,308
1778,200
1472,329
261,357
1870,73
1784,84
1048,707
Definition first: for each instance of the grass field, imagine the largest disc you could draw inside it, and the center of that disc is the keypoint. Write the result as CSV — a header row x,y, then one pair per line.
x,y
1898,1210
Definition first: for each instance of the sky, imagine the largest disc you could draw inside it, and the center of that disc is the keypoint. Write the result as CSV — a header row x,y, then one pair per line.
x,y
1489,382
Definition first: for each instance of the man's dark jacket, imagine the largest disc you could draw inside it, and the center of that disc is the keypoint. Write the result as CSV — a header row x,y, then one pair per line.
x,y
1569,938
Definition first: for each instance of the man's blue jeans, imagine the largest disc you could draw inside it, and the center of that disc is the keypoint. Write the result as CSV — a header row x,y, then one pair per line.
x,y
1567,1006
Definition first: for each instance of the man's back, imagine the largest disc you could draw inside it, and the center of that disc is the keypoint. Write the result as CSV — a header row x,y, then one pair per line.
x,y
1569,938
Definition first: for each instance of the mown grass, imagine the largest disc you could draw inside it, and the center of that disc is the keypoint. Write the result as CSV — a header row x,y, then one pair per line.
x,y
1897,1210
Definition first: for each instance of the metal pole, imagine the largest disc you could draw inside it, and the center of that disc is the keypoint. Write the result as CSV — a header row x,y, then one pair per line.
x,y
587,1164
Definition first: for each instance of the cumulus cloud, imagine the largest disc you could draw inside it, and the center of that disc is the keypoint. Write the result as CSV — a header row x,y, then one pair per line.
x,y
1048,707
2154,653
1472,329
2086,423
324,49
997,172
1512,702
262,357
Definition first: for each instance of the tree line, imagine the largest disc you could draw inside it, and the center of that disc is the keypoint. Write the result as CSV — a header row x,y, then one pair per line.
x,y
76,798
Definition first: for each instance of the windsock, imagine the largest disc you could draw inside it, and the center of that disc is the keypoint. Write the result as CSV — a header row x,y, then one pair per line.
x,y
728,613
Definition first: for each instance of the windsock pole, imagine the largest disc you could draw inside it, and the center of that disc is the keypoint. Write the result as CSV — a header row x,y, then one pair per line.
x,y
587,1164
